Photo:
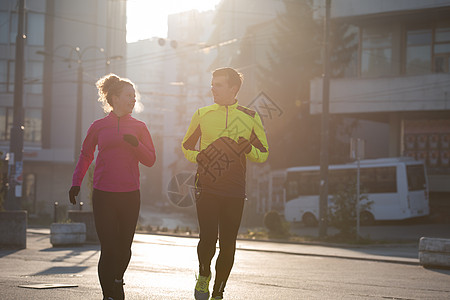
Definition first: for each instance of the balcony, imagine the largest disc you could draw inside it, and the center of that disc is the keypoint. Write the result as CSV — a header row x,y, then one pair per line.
x,y
388,94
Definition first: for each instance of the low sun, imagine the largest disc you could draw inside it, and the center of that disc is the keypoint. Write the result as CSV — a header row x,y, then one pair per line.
x,y
148,18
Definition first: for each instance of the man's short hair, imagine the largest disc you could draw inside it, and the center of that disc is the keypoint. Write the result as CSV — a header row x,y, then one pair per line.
x,y
234,77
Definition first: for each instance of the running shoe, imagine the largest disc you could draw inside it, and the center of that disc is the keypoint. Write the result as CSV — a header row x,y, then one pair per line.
x,y
201,291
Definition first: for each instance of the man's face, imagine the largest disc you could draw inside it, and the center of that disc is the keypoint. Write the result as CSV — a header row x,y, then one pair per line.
x,y
223,93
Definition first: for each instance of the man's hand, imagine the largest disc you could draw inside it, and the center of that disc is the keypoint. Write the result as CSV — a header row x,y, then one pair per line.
x,y
201,159
131,139
73,192
244,145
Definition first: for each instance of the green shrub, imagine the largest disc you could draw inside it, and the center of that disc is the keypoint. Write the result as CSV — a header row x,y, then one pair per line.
x,y
276,225
342,209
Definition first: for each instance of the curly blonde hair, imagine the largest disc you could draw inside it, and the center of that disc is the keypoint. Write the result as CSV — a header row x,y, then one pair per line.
x,y
108,86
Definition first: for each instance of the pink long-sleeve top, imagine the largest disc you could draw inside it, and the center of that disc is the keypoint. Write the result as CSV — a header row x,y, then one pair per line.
x,y
117,163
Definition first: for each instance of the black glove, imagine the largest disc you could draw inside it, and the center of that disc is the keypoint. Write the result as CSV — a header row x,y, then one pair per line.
x,y
131,139
244,145
73,192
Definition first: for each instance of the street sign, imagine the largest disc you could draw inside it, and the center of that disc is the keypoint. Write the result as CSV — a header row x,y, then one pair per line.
x,y
357,148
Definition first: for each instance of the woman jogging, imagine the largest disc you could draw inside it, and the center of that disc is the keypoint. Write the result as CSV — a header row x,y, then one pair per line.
x,y
122,143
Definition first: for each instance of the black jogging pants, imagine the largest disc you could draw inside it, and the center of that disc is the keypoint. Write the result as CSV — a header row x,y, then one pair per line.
x,y
116,215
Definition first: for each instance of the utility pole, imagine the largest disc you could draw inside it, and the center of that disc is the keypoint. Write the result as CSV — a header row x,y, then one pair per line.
x,y
16,137
79,112
323,201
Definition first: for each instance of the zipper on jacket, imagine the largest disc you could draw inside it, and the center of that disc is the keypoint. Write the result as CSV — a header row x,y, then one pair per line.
x,y
226,119
118,124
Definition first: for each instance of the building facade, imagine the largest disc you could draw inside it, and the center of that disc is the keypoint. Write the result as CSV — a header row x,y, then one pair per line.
x,y
397,82
68,46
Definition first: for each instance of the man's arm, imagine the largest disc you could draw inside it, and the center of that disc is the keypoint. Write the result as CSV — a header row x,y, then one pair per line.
x,y
190,139
260,148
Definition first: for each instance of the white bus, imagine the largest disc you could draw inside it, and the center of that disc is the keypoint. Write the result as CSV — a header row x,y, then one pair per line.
x,y
397,187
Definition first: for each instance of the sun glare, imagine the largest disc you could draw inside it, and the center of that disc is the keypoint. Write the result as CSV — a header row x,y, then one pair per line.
x,y
148,18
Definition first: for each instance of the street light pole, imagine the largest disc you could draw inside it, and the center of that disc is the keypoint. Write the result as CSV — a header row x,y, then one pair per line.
x,y
16,137
323,201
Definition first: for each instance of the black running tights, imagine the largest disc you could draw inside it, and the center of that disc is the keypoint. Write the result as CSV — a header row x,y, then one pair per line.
x,y
218,215
116,215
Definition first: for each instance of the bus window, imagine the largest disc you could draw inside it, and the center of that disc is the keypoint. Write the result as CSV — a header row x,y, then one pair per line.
x,y
416,177
379,180
309,183
368,180
292,189
386,180
339,179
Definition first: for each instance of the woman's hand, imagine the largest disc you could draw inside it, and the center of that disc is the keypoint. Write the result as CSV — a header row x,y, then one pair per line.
x,y
73,192
131,139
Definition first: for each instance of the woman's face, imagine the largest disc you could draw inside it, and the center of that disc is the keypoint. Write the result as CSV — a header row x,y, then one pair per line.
x,y
123,104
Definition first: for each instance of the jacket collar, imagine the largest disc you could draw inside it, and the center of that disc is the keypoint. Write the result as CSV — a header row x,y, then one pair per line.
x,y
216,106
113,116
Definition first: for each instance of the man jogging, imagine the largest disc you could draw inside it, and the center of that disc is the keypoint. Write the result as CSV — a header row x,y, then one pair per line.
x,y
229,134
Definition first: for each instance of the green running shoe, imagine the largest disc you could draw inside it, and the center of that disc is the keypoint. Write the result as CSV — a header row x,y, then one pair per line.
x,y
201,291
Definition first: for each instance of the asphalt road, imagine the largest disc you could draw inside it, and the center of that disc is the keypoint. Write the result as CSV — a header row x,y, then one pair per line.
x,y
163,267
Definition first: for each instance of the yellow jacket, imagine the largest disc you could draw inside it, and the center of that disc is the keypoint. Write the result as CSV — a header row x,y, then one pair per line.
x,y
214,121
217,126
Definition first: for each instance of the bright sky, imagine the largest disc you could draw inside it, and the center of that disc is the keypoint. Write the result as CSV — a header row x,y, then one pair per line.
x,y
148,18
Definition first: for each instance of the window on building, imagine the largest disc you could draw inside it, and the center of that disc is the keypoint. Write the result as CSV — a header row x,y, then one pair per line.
x,y
34,72
4,27
3,75
418,51
33,125
8,122
13,21
10,76
3,123
442,49
346,64
376,52
35,29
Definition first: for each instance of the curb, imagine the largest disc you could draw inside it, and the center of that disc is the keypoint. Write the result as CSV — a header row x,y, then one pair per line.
x,y
391,259
373,259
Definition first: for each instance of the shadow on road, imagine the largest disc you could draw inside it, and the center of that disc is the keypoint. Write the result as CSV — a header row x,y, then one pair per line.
x,y
61,270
